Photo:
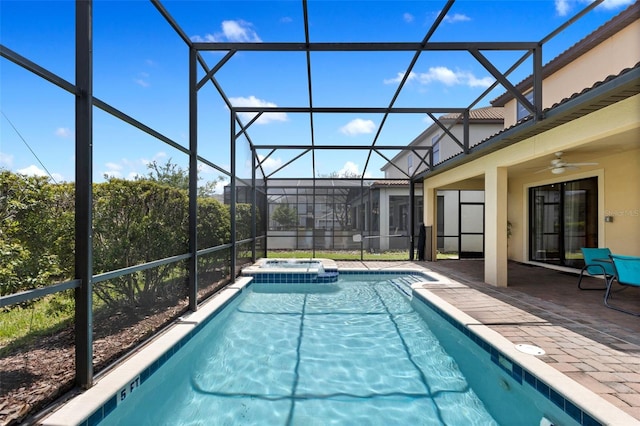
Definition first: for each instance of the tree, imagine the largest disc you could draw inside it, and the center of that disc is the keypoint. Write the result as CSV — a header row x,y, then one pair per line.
x,y
285,215
167,174
175,176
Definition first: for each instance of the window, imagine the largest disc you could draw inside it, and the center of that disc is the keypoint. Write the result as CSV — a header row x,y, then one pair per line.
x,y
521,111
562,218
436,153
410,164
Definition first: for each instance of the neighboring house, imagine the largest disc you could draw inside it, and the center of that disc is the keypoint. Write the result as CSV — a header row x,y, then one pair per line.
x,y
483,123
454,204
375,212
536,208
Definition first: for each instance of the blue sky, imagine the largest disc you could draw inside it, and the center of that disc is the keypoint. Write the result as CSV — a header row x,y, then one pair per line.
x,y
141,68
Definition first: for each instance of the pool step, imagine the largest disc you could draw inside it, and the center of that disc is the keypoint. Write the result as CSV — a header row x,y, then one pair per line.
x,y
404,283
328,276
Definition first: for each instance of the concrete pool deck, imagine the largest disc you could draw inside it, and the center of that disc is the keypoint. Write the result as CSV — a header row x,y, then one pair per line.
x,y
597,347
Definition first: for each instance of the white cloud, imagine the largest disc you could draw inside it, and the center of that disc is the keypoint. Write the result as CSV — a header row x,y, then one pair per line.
x,y
440,74
113,166
407,17
34,170
157,157
240,31
142,79
206,169
445,76
563,7
286,20
232,30
113,170
252,101
456,17
614,4
220,186
351,169
6,159
358,127
270,164
63,132
130,169
398,78
473,81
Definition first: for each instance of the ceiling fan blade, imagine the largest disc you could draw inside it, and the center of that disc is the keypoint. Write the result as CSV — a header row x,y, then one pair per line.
x,y
581,164
543,170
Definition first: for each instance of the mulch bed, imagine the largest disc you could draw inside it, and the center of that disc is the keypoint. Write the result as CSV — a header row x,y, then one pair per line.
x,y
35,376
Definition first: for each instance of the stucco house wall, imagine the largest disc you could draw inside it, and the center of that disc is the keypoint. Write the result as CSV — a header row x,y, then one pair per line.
x,y
479,129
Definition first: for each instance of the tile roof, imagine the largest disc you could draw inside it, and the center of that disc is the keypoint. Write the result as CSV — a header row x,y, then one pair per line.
x,y
479,114
389,182
603,93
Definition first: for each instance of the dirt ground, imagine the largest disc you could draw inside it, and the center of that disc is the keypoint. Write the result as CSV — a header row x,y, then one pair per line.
x,y
34,377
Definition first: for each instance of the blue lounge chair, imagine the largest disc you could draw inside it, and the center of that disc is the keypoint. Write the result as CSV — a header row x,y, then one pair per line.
x,y
627,270
595,267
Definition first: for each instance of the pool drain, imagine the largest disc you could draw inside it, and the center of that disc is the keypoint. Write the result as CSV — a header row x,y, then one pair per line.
x,y
530,349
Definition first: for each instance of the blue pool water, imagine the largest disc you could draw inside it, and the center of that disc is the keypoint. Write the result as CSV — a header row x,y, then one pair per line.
x,y
355,352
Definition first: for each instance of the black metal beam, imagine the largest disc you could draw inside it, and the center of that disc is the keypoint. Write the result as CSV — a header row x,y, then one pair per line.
x,y
305,13
406,75
36,293
577,16
232,196
84,194
390,162
363,46
289,162
254,160
215,69
537,82
423,160
412,219
172,22
338,110
337,147
502,79
138,125
25,63
137,268
193,180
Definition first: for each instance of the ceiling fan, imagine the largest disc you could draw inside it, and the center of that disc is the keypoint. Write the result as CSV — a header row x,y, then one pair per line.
x,y
558,165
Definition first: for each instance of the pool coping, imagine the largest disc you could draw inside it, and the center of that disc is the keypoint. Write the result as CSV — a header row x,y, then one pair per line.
x,y
97,402
257,267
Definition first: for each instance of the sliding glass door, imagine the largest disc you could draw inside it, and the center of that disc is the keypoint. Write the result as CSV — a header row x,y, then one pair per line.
x,y
563,217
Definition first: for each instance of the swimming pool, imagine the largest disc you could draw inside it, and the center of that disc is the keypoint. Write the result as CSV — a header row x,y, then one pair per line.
x,y
383,359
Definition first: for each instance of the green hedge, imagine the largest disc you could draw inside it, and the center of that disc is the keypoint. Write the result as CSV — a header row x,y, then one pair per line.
x,y
134,222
